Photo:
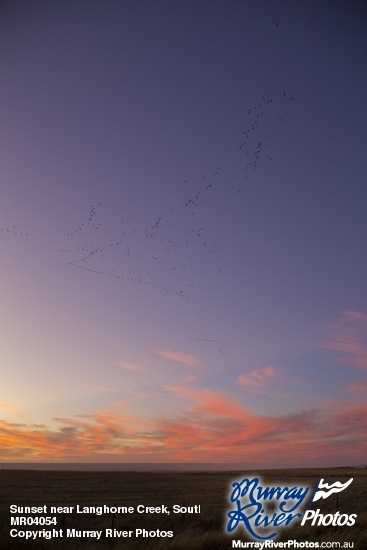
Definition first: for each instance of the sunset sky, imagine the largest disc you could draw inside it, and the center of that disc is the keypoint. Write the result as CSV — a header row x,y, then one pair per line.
x,y
183,228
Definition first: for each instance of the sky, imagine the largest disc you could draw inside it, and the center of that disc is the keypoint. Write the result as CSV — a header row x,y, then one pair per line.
x,y
183,232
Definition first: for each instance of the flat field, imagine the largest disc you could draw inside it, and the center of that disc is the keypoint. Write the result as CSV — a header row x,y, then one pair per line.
x,y
204,531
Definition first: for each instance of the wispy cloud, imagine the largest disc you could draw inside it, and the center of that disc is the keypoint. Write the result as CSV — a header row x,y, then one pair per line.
x,y
357,385
106,389
204,426
181,390
144,394
180,357
210,401
135,367
9,407
256,378
348,336
191,378
345,422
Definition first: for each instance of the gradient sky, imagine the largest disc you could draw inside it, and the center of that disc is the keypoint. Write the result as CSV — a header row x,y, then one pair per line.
x,y
183,232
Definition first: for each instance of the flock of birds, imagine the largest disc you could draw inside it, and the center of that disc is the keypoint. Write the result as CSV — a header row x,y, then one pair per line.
x,y
13,231
163,255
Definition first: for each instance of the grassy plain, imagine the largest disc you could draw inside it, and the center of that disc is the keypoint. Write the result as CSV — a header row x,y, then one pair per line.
x,y
204,531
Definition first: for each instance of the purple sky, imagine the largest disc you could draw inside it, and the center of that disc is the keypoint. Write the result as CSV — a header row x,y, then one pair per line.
x,y
183,232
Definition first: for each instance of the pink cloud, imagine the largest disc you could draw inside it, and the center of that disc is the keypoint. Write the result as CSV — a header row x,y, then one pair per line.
x,y
346,423
135,367
221,405
205,426
210,401
191,378
348,336
175,389
257,377
144,394
180,357
358,385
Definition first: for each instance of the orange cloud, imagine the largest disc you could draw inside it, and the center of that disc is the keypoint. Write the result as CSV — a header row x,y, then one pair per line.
x,y
217,404
210,401
349,337
9,407
256,378
184,358
205,426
